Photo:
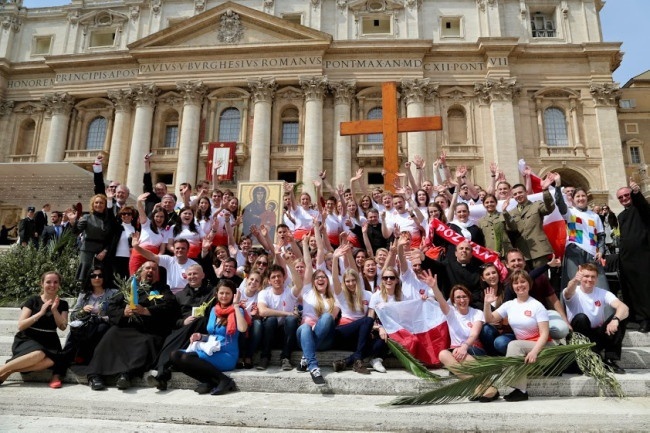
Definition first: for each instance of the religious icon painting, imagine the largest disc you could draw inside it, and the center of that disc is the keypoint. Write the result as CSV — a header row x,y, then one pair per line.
x,y
261,204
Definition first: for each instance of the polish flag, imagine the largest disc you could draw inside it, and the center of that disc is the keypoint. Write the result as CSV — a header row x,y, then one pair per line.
x,y
417,325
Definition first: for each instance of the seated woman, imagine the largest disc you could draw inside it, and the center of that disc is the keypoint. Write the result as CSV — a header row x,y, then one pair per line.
x,y
130,346
209,355
495,337
89,317
250,341
529,321
36,346
465,325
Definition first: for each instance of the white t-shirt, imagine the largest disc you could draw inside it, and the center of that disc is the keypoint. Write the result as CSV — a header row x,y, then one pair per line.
x,y
591,304
346,311
404,221
123,249
251,301
309,302
523,317
194,238
147,237
376,301
176,273
460,326
282,302
304,217
412,287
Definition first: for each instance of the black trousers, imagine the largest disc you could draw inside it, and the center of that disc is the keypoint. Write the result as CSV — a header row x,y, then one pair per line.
x,y
611,344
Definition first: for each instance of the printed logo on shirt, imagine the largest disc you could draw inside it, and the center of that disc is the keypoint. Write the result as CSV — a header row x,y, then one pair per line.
x,y
597,303
184,275
284,303
366,303
470,324
528,313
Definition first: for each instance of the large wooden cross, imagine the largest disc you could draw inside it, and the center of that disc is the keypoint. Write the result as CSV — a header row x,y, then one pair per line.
x,y
390,125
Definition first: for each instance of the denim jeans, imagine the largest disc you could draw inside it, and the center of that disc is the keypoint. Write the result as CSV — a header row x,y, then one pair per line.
x,y
355,334
501,343
250,341
319,338
285,332
488,334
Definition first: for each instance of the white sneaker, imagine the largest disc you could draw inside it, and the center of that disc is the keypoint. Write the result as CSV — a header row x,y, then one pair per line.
x,y
377,365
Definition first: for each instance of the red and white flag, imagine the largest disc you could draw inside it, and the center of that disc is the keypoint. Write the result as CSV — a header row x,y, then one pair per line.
x,y
417,325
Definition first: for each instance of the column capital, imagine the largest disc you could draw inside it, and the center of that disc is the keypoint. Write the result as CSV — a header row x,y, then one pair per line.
x,y
193,91
58,102
263,89
122,99
145,94
503,89
605,94
314,87
6,107
418,90
343,91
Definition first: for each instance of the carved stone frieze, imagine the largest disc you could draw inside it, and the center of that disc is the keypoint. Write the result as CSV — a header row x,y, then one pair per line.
x,y
605,93
314,87
122,99
418,90
231,30
58,103
263,89
503,89
193,91
145,94
6,107
343,91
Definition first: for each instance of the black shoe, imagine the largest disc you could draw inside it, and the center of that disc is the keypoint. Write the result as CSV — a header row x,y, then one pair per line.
x,y
317,377
159,384
302,366
203,388
614,366
516,395
644,326
484,399
264,364
225,385
96,383
339,365
123,382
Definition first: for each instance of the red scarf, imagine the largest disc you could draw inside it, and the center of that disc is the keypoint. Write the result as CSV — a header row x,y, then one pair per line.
x,y
228,315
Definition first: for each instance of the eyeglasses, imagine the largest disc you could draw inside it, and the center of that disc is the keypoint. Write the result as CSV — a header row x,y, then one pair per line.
x,y
320,277
263,263
94,276
126,214
461,297
389,277
623,196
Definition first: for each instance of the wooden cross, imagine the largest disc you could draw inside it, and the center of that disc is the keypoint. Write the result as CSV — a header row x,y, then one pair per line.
x,y
390,125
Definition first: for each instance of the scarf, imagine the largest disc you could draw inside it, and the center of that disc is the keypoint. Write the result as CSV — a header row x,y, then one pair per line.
x,y
463,228
228,315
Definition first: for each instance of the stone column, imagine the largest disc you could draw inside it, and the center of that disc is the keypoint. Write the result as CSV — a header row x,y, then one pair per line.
x,y
59,104
314,88
122,100
499,94
262,90
343,93
6,146
415,93
188,149
604,96
144,96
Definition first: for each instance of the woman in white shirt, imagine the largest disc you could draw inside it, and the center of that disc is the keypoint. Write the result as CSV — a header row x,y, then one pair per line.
x,y
186,228
123,245
153,233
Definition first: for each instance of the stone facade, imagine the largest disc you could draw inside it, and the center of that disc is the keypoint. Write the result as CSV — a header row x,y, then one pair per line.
x,y
511,79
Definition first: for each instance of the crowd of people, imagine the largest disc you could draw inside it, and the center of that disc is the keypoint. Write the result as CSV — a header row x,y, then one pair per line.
x,y
202,302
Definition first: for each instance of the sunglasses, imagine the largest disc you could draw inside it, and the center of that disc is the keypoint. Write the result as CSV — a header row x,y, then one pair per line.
x,y
389,277
126,214
93,276
263,263
623,196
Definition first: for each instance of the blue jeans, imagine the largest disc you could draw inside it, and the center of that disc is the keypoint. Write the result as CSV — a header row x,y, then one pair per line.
x,y
488,334
501,343
285,332
250,341
320,338
355,334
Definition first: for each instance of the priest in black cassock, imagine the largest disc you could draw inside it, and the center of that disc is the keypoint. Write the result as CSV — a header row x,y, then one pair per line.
x,y
130,346
634,255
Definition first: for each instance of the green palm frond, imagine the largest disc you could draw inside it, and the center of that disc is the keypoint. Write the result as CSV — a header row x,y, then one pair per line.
x,y
411,364
489,371
592,365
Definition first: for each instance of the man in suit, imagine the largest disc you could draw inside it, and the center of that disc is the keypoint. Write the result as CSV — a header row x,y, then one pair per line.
x,y
55,231
27,228
41,218
526,222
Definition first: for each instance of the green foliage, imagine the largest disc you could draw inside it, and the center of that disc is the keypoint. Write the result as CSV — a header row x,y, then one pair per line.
x,y
409,362
21,269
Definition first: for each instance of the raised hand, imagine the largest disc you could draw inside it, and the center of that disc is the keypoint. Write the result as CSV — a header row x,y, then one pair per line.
x,y
143,196
443,157
419,161
555,262
323,174
494,168
429,279
489,295
317,183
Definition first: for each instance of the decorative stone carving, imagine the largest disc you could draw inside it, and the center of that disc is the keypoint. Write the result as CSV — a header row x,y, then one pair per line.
x,y
315,3
412,4
263,89
418,90
342,5
73,17
199,6
503,89
102,19
156,5
375,5
145,94
11,22
134,11
58,103
30,108
122,99
483,3
605,93
268,5
289,93
172,99
343,91
6,107
193,91
313,87
231,30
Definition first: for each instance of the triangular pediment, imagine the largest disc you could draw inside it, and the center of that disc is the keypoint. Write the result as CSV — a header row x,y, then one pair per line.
x,y
229,26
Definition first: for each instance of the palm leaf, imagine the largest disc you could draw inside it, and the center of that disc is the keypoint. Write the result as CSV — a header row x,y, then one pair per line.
x,y
409,362
489,371
592,365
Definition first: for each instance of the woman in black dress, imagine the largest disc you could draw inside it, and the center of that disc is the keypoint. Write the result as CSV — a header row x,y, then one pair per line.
x,y
37,346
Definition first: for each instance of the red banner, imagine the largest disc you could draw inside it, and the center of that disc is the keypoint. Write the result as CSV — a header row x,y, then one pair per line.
x,y
438,228
224,152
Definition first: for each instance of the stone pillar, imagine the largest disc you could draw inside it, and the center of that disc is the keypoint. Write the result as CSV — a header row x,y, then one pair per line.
x,y
415,93
122,100
343,93
314,88
6,146
144,96
59,104
499,94
188,149
604,96
263,90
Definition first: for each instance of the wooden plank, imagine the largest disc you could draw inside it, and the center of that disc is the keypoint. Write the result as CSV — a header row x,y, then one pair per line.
x,y
361,127
389,119
417,124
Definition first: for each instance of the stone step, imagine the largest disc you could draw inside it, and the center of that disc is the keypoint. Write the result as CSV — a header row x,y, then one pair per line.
x,y
73,408
636,383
